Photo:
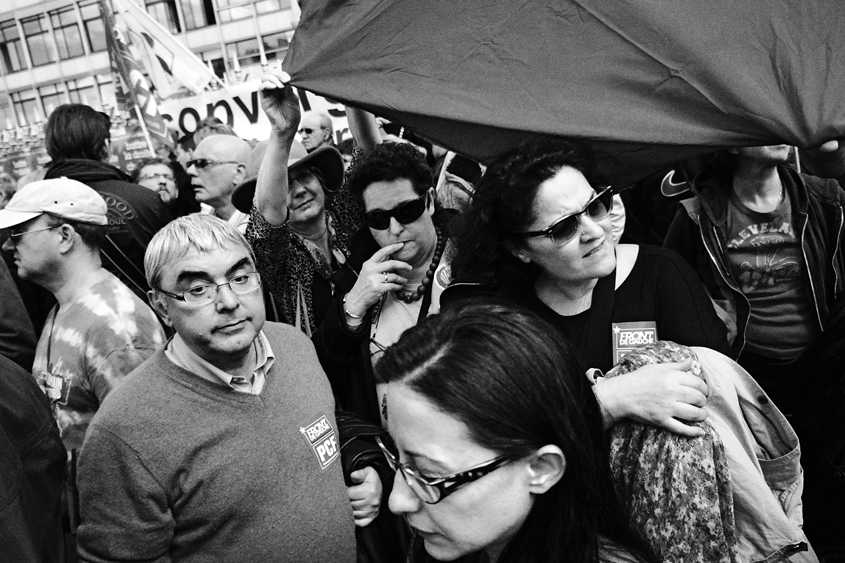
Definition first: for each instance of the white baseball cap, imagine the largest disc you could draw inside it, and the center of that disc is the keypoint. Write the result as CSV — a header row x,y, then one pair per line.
x,y
61,197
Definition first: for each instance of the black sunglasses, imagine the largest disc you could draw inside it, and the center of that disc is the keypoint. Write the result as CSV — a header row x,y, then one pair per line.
x,y
201,163
405,213
306,131
566,228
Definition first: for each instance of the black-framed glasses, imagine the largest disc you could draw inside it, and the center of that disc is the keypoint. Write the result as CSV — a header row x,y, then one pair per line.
x,y
432,491
405,213
13,236
205,293
306,131
201,163
566,228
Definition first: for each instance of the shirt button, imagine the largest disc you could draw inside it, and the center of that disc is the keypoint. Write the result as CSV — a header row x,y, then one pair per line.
x,y
763,400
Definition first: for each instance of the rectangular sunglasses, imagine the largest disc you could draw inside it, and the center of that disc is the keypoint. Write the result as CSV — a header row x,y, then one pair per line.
x,y
405,213
566,228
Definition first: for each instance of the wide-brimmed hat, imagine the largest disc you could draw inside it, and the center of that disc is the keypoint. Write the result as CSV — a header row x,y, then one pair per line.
x,y
62,197
326,159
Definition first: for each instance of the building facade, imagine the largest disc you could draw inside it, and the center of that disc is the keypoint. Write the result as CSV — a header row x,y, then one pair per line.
x,y
54,52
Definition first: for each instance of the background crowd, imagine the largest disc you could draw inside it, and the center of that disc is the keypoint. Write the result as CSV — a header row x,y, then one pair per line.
x,y
391,308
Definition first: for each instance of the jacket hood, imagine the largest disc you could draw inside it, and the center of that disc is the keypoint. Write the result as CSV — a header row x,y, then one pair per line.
x,y
86,171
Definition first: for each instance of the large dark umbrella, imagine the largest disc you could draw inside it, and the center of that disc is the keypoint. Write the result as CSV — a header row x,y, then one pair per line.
x,y
647,82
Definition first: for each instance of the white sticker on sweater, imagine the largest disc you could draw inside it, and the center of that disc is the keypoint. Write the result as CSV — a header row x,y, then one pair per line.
x,y
323,440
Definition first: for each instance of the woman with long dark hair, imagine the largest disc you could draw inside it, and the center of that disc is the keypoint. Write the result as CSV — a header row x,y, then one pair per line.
x,y
498,443
538,233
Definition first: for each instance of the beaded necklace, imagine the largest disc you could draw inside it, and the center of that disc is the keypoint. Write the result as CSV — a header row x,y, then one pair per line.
x,y
416,295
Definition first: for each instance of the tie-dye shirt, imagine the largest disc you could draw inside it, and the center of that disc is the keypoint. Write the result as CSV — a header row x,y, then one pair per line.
x,y
91,345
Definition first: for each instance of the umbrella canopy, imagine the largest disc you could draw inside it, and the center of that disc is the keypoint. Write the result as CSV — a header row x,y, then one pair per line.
x,y
645,82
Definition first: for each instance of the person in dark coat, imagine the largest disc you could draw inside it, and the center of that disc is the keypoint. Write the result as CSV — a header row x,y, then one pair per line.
x,y
32,470
77,138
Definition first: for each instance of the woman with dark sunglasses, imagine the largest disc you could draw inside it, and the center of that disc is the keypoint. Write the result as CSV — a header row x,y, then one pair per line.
x,y
498,452
538,232
402,260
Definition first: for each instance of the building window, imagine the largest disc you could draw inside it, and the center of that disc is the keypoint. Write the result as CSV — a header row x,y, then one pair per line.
x,y
52,96
231,10
11,51
164,11
198,13
267,6
35,31
276,44
246,51
105,86
215,59
26,107
95,29
82,91
66,28
7,114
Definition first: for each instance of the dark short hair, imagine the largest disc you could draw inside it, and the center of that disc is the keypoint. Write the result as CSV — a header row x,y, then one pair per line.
x,y
387,162
77,131
503,205
93,236
187,142
346,146
150,161
517,386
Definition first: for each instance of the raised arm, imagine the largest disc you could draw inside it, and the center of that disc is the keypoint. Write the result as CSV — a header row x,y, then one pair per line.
x,y
281,105
364,128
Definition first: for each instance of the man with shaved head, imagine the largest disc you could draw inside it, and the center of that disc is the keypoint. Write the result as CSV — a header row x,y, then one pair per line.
x,y
315,130
218,165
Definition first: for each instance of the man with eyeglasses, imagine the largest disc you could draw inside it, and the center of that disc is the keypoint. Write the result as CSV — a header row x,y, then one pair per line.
x,y
99,331
224,446
315,130
218,166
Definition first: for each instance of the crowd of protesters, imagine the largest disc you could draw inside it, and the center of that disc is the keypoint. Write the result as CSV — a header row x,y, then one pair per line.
x,y
376,350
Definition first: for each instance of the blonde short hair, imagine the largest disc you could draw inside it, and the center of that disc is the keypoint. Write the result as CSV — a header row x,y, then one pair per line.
x,y
203,233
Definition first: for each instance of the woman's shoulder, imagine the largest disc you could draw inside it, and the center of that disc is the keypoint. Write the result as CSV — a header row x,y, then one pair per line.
x,y
657,260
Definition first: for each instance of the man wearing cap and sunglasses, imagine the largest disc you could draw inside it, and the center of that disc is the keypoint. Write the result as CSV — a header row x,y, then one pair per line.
x,y
100,330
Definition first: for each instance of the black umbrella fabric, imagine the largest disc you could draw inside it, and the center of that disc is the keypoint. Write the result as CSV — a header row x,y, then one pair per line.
x,y
646,82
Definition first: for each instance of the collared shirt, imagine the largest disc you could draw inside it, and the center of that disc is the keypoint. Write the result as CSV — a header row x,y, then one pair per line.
x,y
178,352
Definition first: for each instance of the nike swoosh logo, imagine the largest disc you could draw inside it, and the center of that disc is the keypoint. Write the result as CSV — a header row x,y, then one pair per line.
x,y
670,188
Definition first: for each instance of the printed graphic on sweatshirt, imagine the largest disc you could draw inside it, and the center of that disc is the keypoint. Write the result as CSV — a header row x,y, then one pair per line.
x,y
765,256
323,441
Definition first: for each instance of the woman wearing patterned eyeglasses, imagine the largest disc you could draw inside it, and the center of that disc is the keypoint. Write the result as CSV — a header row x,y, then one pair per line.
x,y
539,233
498,455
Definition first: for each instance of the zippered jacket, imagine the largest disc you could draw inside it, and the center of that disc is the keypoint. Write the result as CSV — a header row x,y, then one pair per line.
x,y
699,234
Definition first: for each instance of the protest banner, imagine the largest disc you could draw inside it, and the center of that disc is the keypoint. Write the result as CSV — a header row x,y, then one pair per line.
x,y
240,107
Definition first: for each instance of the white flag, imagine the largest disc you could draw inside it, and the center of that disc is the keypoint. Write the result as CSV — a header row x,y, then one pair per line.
x,y
169,60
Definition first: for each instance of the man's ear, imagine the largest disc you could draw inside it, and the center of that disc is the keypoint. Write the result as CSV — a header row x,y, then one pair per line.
x,y
240,175
516,251
159,305
68,235
546,468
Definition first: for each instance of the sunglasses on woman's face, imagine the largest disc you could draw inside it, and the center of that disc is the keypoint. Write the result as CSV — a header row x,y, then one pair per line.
x,y
566,228
405,213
